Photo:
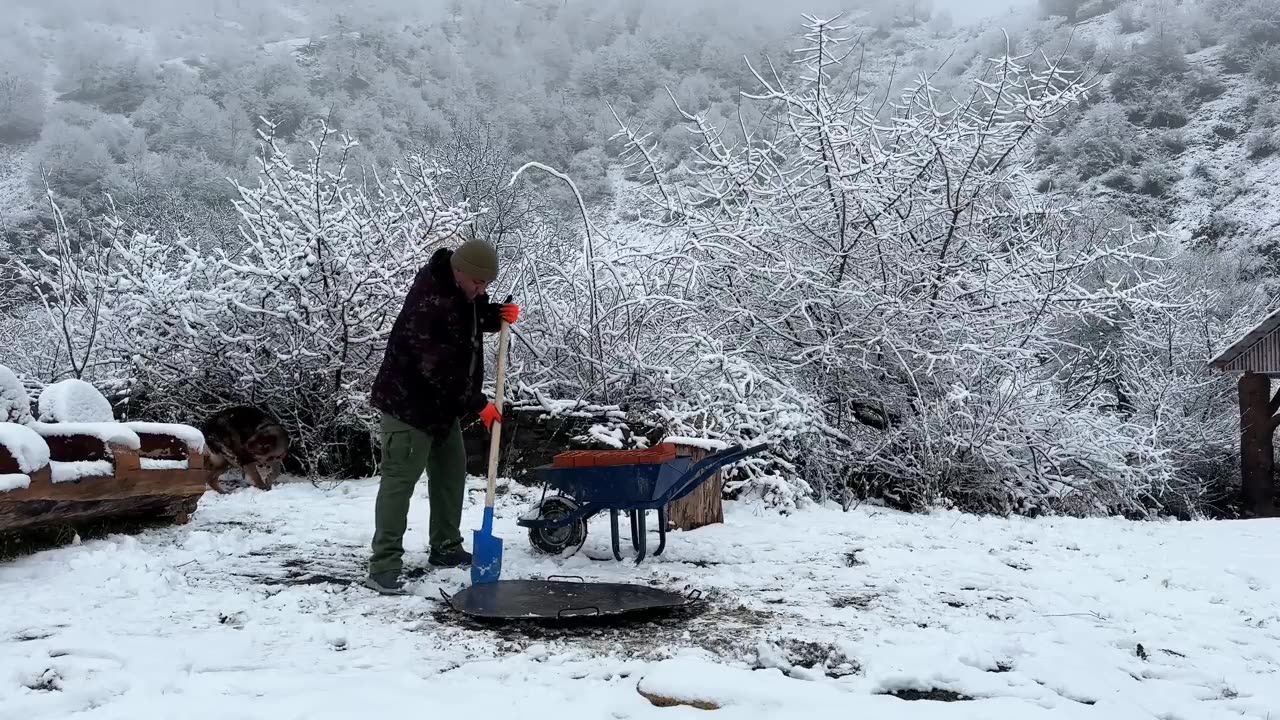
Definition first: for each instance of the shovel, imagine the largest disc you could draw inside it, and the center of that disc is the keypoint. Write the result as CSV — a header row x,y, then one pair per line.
x,y
486,550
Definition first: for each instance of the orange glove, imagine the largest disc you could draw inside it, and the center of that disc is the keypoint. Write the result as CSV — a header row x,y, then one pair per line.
x,y
509,312
489,415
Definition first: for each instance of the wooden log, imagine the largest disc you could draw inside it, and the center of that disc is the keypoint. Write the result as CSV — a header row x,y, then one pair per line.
x,y
26,515
125,460
1257,450
704,506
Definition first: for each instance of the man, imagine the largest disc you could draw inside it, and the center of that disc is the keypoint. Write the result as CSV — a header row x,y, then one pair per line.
x,y
430,379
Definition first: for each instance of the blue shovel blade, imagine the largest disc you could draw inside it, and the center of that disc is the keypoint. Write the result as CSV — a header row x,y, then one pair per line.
x,y
486,553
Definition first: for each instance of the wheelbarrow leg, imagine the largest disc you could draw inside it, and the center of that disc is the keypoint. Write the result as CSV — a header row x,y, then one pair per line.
x,y
635,535
642,537
662,530
613,533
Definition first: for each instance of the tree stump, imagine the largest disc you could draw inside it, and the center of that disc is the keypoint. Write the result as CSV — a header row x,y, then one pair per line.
x,y
1257,451
701,507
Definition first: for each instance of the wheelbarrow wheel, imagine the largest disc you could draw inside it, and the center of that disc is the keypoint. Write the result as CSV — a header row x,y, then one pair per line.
x,y
554,541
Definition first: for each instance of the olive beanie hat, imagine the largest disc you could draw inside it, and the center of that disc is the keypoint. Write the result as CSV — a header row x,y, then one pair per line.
x,y
477,259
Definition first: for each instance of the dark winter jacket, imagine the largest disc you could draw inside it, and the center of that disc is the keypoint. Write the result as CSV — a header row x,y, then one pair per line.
x,y
433,368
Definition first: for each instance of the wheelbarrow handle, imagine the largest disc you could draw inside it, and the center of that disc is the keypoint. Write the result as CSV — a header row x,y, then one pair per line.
x,y
729,455
703,469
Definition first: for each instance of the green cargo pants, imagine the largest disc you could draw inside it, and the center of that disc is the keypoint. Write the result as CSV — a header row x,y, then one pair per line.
x,y
406,452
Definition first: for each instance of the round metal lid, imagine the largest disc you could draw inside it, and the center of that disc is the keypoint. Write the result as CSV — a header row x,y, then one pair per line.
x,y
560,599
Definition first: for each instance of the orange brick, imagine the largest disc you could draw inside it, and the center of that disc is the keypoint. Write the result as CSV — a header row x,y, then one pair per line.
x,y
595,458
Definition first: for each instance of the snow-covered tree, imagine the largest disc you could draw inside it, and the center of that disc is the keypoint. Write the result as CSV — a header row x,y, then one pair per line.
x,y
294,314
903,277
22,102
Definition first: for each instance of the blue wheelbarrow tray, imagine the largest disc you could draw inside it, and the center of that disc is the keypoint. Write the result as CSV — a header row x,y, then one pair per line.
x,y
559,521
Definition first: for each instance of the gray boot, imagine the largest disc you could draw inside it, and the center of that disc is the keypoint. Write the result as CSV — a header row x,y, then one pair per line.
x,y
387,583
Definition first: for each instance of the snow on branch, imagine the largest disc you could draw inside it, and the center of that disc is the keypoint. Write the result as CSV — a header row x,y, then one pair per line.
x,y
903,288
292,314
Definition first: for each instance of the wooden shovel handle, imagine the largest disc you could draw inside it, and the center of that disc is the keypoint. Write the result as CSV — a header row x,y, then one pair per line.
x,y
499,396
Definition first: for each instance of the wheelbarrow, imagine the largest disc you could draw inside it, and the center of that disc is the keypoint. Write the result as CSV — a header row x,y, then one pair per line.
x,y
630,481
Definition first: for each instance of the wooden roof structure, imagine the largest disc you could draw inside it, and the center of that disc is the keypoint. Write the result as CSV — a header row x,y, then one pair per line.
x,y
1255,359
1258,351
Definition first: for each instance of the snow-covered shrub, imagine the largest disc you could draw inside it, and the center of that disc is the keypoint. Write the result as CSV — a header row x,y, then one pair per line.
x,y
1102,141
1250,28
725,399
1186,408
1129,20
292,317
1162,109
902,277
1157,178
1266,65
15,405
1146,67
1204,84
1173,142
1260,143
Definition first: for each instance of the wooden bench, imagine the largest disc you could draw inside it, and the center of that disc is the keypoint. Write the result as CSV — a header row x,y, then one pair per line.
x,y
97,470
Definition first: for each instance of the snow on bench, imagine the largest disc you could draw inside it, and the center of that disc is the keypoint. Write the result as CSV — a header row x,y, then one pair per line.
x,y
74,401
25,445
189,436
73,470
147,463
107,432
74,407
27,449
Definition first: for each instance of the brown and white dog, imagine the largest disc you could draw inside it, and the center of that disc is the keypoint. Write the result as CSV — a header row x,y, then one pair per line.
x,y
248,438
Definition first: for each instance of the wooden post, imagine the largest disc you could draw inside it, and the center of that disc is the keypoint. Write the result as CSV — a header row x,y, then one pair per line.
x,y
1257,452
701,507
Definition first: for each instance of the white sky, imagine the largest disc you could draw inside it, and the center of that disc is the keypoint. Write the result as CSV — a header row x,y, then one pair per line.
x,y
965,11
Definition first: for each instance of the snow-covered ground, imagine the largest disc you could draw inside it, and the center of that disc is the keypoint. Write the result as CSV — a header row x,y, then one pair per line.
x,y
245,613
